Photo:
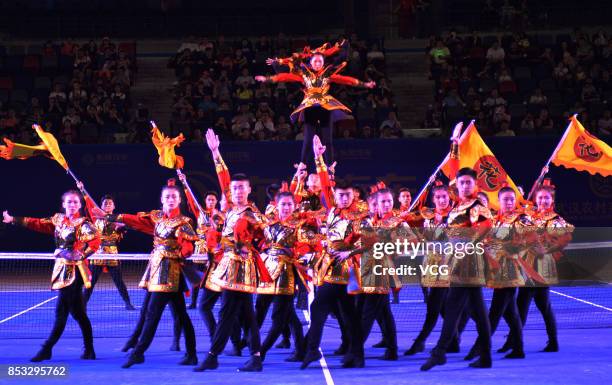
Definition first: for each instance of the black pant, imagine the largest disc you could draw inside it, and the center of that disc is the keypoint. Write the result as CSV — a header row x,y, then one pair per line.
x,y
196,289
262,304
233,305
436,299
503,304
541,295
284,317
317,120
155,309
206,305
176,327
330,295
372,307
115,272
456,301
70,301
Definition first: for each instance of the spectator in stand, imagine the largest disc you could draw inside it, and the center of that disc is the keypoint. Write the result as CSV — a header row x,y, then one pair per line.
x,y
544,124
604,124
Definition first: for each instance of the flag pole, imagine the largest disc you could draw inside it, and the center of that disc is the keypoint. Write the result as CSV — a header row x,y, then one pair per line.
x,y
186,184
545,168
429,182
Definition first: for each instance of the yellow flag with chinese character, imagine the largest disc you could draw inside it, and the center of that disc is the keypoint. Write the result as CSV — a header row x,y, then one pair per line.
x,y
475,154
52,146
165,148
582,151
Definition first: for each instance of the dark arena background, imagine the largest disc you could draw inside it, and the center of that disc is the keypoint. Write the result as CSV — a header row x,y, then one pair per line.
x,y
94,74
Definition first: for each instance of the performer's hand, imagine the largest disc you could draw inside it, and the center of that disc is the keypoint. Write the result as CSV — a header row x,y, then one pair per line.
x,y
260,78
270,61
301,171
317,147
370,84
182,177
98,212
332,168
457,132
6,218
212,140
80,186
342,255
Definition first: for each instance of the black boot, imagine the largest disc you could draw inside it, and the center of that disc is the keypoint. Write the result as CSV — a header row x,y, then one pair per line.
x,y
515,353
342,349
390,355
132,360
351,361
506,347
284,344
189,359
482,363
128,345
88,354
175,347
254,364
551,346
310,357
43,354
454,346
417,347
474,352
380,344
297,356
436,358
210,363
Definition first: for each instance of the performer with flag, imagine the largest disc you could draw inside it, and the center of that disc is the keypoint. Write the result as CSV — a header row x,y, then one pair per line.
x,y
240,268
468,222
76,239
173,238
553,234
334,265
110,235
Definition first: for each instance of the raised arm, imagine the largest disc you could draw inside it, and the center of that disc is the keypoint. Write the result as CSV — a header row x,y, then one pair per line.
x,y
327,195
223,175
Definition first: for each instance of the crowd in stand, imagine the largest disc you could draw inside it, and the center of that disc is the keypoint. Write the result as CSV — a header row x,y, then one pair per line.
x,y
216,88
79,92
522,84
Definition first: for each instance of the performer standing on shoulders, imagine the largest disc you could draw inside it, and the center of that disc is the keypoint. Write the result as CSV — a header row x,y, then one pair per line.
x,y
75,240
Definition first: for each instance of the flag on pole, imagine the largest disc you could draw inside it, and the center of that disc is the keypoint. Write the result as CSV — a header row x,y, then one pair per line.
x,y
582,151
491,176
165,148
12,150
51,145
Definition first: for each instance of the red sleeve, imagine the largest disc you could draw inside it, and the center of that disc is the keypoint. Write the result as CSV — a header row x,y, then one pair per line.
x,y
223,175
41,225
89,205
140,222
286,77
346,80
191,203
327,195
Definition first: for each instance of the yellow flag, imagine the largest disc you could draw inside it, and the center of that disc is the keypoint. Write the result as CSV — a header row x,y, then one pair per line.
x,y
52,146
582,151
165,148
14,150
475,154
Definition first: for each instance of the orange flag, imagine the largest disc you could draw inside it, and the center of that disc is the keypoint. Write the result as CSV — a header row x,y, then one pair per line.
x,y
491,176
14,150
582,151
51,145
165,148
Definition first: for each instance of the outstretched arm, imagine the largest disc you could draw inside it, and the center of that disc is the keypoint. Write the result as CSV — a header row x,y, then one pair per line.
x,y
41,225
281,77
351,81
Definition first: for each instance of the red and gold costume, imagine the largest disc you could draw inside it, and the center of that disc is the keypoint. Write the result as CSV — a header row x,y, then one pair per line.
x,y
316,87
434,232
75,240
173,238
506,245
553,234
240,267
467,223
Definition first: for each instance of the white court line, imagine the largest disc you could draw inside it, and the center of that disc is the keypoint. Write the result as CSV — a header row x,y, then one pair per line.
x,y
581,300
27,310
